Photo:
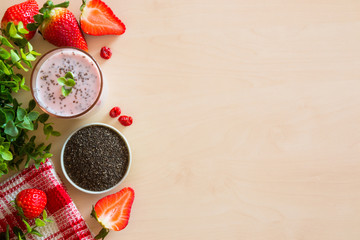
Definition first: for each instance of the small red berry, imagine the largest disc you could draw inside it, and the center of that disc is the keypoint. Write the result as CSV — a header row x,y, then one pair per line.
x,y
105,52
115,112
125,120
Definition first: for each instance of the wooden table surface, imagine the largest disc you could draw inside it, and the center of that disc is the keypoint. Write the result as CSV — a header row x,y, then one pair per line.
x,y
246,117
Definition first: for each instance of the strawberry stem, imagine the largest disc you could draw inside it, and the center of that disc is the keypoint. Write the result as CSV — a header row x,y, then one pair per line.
x,y
83,5
102,234
45,13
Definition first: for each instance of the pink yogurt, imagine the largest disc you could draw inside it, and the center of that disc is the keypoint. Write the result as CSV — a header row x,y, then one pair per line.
x,y
47,91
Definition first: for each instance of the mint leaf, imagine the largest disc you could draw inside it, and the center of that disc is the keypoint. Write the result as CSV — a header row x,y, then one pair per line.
x,y
69,75
39,222
61,81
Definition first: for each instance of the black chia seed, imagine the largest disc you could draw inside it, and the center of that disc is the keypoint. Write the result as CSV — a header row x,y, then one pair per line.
x,y
96,158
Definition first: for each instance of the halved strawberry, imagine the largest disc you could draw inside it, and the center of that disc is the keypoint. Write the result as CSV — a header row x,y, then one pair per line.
x,y
113,211
98,19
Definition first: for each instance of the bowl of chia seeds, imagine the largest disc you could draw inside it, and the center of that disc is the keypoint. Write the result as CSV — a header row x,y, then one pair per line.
x,y
96,158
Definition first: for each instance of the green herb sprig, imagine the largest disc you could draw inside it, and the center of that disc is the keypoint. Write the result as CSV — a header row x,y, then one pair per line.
x,y
67,83
29,230
16,123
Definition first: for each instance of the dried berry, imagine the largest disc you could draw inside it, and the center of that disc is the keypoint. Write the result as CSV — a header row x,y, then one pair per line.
x,y
125,120
105,52
115,112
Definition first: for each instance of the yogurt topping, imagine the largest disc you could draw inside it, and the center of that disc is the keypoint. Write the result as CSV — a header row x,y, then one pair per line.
x,y
47,90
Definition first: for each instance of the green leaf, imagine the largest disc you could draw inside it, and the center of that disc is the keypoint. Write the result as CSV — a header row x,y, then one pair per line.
x,y
35,232
20,66
12,30
32,105
3,169
20,25
30,57
10,114
6,155
28,63
43,118
2,117
55,133
65,91
21,113
4,68
69,75
44,215
48,155
7,233
6,145
48,147
14,56
6,42
16,78
4,54
30,47
23,55
37,165
23,86
35,53
21,29
11,129
33,115
39,222
17,230
28,228
70,82
32,26
27,124
48,129
61,81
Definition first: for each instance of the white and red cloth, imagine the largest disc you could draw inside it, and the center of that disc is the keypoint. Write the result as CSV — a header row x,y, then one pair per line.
x,y
68,224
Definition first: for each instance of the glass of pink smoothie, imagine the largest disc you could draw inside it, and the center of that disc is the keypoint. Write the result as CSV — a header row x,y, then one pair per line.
x,y
47,91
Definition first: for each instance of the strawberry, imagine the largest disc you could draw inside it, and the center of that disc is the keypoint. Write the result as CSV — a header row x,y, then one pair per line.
x,y
98,19
23,12
59,26
113,211
31,202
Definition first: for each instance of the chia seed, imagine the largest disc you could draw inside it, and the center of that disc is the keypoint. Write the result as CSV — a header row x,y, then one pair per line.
x,y
96,158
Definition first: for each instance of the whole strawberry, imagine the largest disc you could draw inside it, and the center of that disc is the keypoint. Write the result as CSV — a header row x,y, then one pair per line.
x,y
59,26
23,12
31,202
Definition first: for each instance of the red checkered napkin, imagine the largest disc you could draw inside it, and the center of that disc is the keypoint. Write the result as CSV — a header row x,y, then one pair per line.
x,y
67,224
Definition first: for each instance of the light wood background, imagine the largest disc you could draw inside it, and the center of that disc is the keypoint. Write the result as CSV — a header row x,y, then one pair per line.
x,y
246,117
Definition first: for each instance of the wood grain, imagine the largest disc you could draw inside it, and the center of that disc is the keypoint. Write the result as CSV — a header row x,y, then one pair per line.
x,y
246,117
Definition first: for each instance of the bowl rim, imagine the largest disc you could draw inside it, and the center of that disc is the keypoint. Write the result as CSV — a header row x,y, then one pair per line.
x,y
33,74
62,158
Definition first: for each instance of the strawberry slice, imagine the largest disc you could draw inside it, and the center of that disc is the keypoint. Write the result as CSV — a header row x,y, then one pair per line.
x,y
113,211
98,19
